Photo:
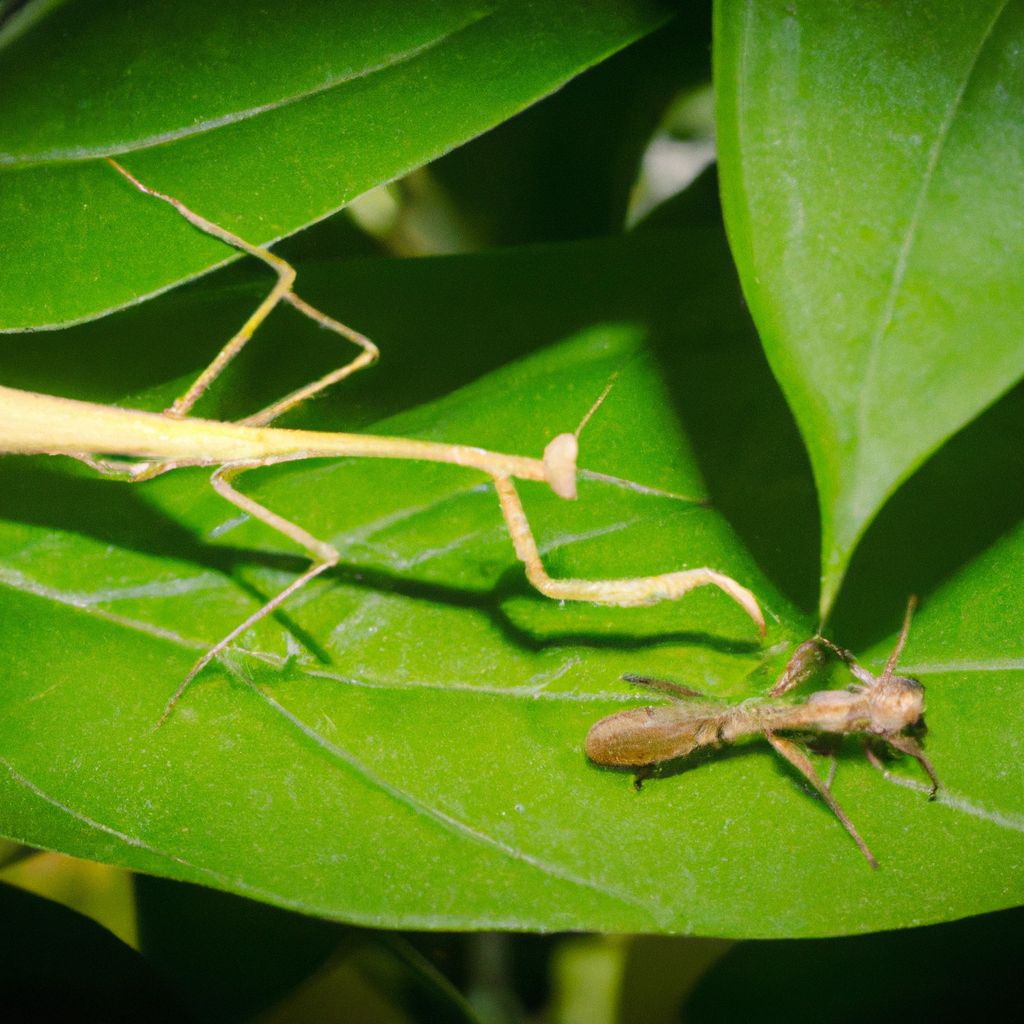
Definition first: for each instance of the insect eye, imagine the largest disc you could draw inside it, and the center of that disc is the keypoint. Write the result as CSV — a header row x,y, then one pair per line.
x,y
909,683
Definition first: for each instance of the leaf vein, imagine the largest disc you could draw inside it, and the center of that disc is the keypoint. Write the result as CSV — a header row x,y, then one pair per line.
x,y
446,821
80,153
945,126
1004,819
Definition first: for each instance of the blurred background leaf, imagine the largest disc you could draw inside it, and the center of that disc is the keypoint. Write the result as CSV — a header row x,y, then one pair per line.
x,y
953,971
585,143
58,965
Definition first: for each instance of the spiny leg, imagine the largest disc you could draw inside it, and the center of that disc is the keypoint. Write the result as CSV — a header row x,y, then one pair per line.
x,y
624,593
282,291
879,765
897,780
861,673
858,671
799,760
324,556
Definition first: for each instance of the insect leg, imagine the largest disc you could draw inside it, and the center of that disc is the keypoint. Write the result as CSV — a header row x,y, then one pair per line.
x,y
806,660
908,745
873,759
117,469
832,767
859,672
676,690
890,665
282,291
368,356
897,780
825,745
323,554
623,593
799,760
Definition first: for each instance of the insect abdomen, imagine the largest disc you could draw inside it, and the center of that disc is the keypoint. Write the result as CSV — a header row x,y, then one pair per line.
x,y
643,736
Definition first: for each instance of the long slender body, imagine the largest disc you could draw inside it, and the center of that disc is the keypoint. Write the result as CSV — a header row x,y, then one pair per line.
x,y
646,736
32,423
884,707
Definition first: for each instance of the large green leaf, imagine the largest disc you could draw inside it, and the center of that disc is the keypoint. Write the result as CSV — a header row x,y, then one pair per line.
x,y
263,124
872,174
74,101
403,746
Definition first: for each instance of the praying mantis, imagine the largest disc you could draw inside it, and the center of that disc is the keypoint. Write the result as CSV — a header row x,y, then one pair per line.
x,y
134,446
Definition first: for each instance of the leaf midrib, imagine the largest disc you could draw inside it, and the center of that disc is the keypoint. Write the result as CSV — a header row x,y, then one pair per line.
x,y
79,154
873,356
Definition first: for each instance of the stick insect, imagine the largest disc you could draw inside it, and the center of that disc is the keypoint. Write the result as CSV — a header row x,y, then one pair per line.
x,y
108,438
884,707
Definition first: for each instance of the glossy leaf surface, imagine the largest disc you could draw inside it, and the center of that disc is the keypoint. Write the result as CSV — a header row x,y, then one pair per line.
x,y
262,125
403,745
871,176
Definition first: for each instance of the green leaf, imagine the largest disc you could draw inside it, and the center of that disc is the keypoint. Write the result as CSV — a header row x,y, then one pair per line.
x,y
402,746
264,125
871,175
227,67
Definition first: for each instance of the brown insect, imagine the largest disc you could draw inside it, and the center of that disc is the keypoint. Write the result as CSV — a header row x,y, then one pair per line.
x,y
887,707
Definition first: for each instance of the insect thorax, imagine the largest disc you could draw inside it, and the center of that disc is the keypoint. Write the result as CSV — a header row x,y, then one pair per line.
x,y
896,703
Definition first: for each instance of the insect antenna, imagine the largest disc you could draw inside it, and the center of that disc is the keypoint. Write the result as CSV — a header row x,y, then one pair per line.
x,y
597,404
890,665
